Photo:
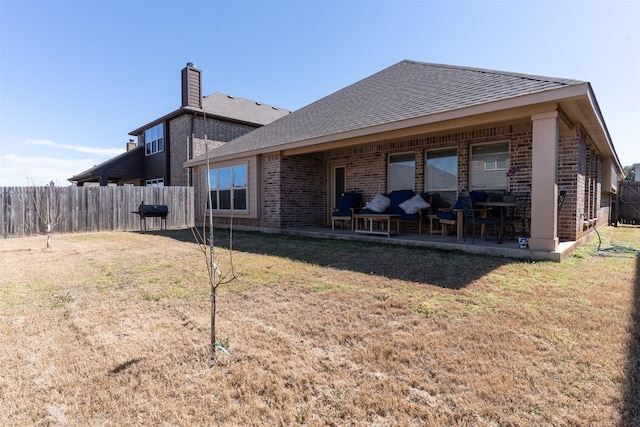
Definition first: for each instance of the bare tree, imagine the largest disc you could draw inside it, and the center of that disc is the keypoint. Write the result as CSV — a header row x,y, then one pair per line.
x,y
207,247
46,201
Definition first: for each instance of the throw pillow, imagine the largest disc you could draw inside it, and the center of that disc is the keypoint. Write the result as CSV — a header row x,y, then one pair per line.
x,y
414,204
379,203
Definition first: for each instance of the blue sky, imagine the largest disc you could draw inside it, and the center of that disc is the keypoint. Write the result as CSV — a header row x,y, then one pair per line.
x,y
77,76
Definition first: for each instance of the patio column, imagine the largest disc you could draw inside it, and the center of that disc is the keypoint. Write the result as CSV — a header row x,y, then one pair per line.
x,y
544,189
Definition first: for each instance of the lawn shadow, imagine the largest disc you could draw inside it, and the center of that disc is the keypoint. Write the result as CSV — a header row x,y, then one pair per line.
x,y
447,269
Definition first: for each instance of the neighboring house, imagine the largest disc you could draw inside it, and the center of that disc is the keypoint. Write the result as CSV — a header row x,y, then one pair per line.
x,y
637,171
418,116
167,142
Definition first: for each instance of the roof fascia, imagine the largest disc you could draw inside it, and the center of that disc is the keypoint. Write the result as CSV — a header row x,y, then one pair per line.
x,y
603,126
162,119
219,160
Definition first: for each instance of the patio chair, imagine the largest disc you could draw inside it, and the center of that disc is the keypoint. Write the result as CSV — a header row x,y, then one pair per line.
x,y
439,210
449,216
471,217
350,203
446,218
517,218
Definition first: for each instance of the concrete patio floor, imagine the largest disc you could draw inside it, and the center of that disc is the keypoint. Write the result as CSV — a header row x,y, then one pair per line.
x,y
509,248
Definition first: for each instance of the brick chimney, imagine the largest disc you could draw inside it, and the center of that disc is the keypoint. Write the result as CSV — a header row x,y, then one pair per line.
x,y
131,145
191,86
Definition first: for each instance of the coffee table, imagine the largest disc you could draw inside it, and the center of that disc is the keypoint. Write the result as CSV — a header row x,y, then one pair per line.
x,y
364,224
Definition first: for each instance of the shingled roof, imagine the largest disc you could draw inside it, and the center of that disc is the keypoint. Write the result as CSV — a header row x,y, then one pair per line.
x,y
117,167
226,107
241,109
402,91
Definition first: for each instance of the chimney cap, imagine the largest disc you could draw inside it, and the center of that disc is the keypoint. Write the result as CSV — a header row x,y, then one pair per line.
x,y
191,65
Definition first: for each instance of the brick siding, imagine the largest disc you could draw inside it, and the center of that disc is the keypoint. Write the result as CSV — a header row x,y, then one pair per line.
x,y
294,191
187,134
569,153
367,165
271,191
294,187
580,172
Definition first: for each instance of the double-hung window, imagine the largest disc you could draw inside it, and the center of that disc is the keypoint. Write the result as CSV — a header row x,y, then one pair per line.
x,y
489,163
154,139
402,171
228,187
441,170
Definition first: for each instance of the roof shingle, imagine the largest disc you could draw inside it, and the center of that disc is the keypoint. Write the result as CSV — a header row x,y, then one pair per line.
x,y
402,91
241,109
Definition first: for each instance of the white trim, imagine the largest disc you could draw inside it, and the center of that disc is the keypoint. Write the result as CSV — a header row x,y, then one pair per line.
x,y
231,201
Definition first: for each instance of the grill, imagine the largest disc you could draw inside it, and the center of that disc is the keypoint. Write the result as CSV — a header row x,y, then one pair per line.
x,y
152,211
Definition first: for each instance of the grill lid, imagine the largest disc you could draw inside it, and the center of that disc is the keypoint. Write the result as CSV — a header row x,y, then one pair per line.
x,y
152,210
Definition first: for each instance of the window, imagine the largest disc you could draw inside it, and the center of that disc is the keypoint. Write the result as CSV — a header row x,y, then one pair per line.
x,y
159,182
154,140
441,170
402,171
488,166
228,188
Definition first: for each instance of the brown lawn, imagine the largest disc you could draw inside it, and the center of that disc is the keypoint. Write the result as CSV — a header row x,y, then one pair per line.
x,y
113,329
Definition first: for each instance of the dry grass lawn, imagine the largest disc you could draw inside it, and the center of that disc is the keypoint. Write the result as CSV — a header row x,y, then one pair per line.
x,y
113,329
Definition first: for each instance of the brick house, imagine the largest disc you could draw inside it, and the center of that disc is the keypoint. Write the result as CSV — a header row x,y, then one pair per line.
x,y
164,144
416,116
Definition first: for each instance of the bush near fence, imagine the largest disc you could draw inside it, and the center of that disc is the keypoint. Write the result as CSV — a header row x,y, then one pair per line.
x,y
90,209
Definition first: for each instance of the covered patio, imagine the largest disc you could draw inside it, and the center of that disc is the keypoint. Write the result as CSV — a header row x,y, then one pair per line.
x,y
509,248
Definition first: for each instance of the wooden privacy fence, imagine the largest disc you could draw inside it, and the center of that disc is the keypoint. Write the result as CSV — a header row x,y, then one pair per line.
x,y
629,202
24,210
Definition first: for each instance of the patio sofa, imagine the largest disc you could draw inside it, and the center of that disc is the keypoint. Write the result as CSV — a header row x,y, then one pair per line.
x,y
412,207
